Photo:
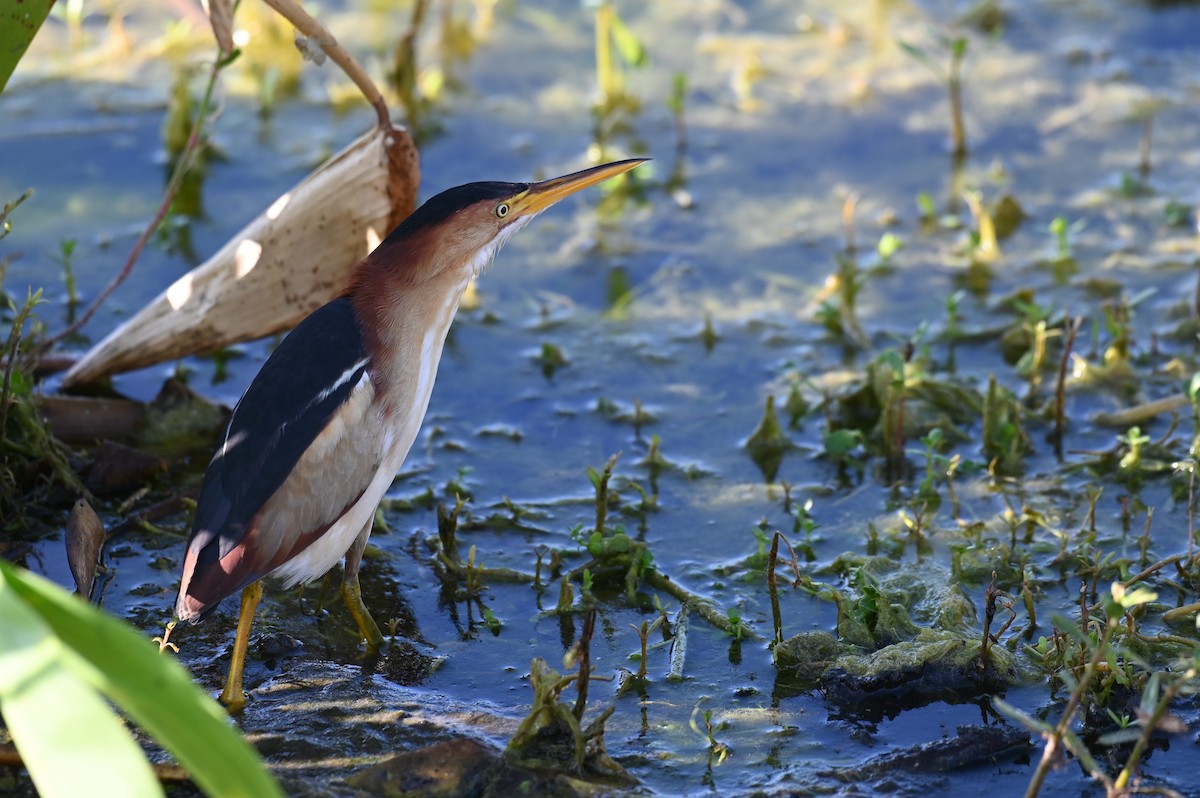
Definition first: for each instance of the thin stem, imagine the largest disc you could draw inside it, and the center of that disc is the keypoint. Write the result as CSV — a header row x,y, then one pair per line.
x,y
182,167
957,131
585,661
1148,571
1060,390
1052,744
604,67
1149,726
313,29
14,342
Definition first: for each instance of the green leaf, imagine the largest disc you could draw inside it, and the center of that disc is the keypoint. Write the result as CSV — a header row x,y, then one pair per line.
x,y
1077,747
889,245
1020,716
926,206
19,23
679,85
631,50
842,442
920,55
1119,737
156,691
1149,700
68,737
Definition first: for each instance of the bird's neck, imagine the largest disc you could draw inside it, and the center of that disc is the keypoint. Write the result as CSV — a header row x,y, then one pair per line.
x,y
405,326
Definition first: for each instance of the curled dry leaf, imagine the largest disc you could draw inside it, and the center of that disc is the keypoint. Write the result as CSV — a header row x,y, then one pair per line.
x,y
220,15
290,260
85,536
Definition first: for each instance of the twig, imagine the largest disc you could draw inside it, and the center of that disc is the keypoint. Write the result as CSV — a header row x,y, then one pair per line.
x,y
585,660
1170,616
1141,413
310,27
772,581
1064,723
1149,570
1192,510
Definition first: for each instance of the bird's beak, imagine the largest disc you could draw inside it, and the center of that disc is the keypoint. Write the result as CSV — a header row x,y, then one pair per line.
x,y
542,195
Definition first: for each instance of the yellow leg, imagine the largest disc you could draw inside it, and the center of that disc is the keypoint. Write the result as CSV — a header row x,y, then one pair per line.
x,y
232,696
367,627
352,593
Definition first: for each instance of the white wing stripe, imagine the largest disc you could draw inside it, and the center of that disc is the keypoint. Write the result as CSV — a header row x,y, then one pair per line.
x,y
339,382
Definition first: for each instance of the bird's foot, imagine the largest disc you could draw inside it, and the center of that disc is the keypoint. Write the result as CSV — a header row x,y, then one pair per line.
x,y
367,628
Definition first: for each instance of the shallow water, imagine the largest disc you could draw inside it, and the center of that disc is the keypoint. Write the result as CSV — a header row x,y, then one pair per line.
x,y
789,110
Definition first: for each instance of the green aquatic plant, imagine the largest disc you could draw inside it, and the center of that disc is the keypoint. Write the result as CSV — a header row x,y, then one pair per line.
x,y
952,75
29,452
767,444
1005,441
552,736
1089,658
839,315
676,104
614,38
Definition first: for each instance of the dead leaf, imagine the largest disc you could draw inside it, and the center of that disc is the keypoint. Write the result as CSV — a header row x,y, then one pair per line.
x,y
293,258
220,16
85,537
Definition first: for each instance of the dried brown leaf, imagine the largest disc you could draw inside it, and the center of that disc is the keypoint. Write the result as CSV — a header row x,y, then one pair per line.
x,y
85,537
293,258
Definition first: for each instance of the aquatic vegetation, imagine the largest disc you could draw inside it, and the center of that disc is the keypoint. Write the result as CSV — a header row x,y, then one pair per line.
x,y
981,412
952,75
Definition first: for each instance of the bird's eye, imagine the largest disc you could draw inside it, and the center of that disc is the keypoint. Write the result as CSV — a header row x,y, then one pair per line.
x,y
502,210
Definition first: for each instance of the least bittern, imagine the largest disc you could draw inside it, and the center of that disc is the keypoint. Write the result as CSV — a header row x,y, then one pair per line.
x,y
317,438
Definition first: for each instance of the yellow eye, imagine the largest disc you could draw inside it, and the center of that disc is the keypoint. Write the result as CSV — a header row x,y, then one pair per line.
x,y
502,210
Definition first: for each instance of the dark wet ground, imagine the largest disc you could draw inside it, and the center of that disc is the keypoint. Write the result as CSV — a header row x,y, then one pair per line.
x,y
789,110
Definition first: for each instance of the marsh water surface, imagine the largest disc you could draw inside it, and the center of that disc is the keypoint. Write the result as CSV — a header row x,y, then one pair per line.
x,y
678,309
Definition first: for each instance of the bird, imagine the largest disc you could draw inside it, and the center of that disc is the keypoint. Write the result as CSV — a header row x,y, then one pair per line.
x,y
318,436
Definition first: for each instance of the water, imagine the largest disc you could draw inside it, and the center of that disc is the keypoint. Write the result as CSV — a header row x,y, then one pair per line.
x,y
788,111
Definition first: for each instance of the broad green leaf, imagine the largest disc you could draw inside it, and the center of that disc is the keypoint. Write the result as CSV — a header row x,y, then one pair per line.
x,y
156,691
19,23
68,737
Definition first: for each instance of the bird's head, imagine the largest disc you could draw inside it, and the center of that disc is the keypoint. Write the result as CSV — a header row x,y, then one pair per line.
x,y
461,229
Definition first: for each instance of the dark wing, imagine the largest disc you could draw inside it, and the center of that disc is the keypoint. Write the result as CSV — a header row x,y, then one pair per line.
x,y
299,390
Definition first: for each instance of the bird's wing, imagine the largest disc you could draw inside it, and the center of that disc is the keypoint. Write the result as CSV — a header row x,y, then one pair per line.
x,y
314,390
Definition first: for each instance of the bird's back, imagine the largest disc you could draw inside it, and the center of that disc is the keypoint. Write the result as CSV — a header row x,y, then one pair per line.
x,y
268,492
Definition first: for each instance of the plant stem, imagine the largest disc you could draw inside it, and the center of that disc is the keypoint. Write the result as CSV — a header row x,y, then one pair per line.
x,y
957,131
585,661
14,341
1149,726
313,29
604,66
1052,745
1060,390
182,167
